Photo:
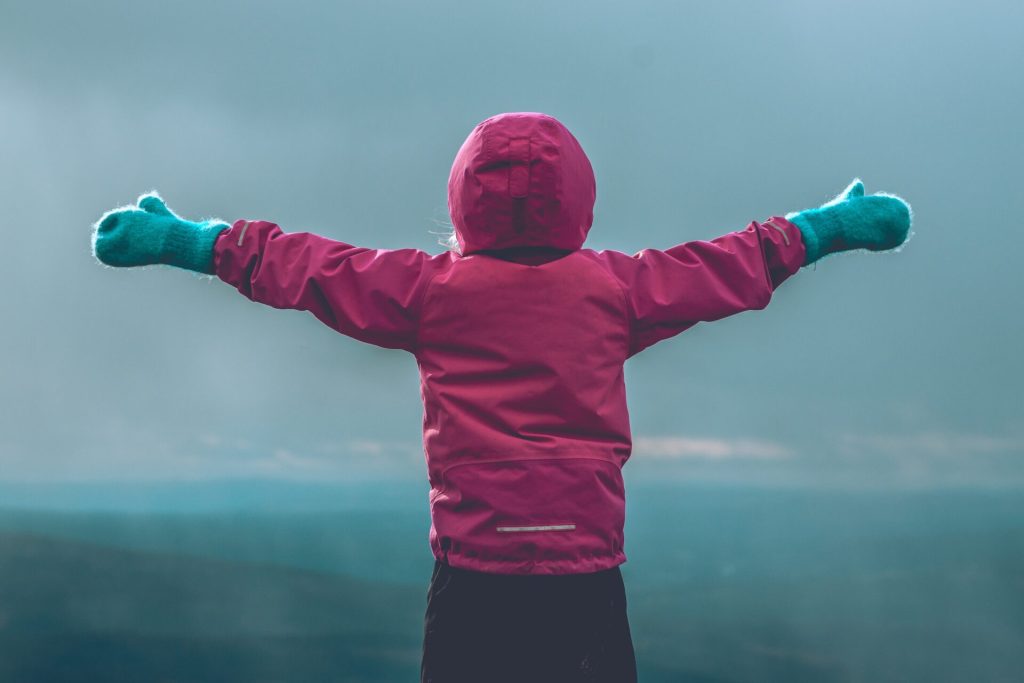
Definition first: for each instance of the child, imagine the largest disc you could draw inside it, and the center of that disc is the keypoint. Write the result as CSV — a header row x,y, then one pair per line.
x,y
520,336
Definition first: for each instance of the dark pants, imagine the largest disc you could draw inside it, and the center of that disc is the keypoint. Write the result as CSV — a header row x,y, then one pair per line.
x,y
495,628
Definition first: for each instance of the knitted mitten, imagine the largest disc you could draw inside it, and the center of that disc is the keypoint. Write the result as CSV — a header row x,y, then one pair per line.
x,y
149,233
852,221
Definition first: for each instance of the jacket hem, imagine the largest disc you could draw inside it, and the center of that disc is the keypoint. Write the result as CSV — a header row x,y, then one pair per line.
x,y
534,567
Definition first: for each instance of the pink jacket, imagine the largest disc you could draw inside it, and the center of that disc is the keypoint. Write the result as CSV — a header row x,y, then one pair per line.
x,y
520,340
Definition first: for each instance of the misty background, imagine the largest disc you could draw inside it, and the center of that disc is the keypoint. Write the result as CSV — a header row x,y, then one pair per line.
x,y
880,390
343,119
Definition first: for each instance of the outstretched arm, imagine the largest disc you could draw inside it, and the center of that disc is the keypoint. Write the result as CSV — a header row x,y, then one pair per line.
x,y
670,291
372,295
369,294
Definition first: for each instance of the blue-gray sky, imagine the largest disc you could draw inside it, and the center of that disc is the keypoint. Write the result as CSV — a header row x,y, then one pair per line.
x,y
343,119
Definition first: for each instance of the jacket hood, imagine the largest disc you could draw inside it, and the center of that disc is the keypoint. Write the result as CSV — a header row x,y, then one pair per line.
x,y
521,179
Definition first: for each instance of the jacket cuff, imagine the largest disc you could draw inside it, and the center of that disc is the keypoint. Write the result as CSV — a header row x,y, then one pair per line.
x,y
785,249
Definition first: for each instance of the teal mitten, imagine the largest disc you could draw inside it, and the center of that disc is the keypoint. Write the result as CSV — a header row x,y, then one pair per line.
x,y
852,221
149,233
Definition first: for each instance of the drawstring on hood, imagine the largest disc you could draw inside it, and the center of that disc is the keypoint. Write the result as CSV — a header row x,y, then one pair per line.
x,y
521,179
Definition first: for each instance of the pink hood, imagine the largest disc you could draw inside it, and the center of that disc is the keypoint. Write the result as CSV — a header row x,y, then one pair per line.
x,y
521,179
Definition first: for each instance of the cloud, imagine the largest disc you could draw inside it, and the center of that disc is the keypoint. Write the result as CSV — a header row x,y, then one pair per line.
x,y
679,447
339,460
929,443
932,458
371,449
118,449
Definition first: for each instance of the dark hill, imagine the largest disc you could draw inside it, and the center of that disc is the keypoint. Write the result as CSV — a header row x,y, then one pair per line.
x,y
72,611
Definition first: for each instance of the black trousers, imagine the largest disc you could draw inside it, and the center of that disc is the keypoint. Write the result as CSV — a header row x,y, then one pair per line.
x,y
495,628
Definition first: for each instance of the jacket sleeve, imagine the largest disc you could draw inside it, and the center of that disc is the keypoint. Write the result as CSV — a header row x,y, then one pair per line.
x,y
371,295
670,291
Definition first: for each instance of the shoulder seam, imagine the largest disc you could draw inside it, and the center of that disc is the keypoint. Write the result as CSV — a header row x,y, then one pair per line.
x,y
630,317
418,308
